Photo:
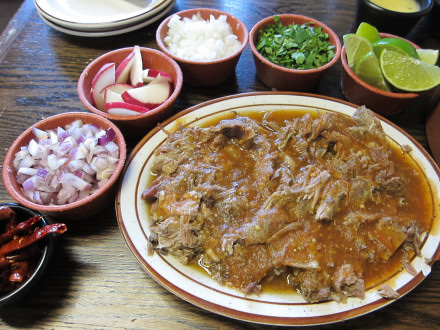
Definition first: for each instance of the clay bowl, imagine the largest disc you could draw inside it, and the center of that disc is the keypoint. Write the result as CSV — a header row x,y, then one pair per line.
x,y
82,208
279,78
37,263
138,125
207,73
359,92
390,21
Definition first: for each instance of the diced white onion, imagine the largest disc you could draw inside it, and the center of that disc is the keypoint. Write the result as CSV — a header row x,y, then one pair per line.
x,y
199,40
66,164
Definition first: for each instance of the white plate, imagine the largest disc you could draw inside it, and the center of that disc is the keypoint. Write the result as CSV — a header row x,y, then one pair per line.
x,y
109,32
268,308
98,14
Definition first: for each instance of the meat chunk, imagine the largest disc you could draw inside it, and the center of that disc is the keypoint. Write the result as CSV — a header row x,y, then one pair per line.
x,y
313,286
388,292
347,283
336,192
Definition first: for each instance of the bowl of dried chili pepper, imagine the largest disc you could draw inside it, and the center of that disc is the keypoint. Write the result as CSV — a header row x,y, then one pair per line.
x,y
26,245
292,52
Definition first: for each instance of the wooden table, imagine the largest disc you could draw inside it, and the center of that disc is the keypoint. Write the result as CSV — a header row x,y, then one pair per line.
x,y
94,280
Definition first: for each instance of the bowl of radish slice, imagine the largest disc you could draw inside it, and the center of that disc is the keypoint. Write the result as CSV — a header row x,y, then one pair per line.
x,y
134,87
66,166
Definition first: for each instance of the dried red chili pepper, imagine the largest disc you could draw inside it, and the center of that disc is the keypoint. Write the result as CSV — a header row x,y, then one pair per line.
x,y
20,271
25,254
21,227
21,242
6,213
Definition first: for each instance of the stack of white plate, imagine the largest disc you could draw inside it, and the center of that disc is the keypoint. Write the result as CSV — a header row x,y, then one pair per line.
x,y
97,18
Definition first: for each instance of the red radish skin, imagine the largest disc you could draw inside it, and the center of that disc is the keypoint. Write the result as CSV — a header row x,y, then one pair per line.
x,y
148,75
125,109
122,72
103,78
153,94
117,88
137,68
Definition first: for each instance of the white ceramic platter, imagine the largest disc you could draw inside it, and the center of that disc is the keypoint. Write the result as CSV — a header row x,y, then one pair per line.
x,y
268,308
98,14
107,32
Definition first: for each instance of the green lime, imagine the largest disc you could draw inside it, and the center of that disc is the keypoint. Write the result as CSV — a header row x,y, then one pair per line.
x,y
395,44
368,31
368,69
429,56
356,47
407,73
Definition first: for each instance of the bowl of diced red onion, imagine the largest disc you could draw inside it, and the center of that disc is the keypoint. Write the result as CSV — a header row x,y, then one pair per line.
x,y
206,43
66,165
134,87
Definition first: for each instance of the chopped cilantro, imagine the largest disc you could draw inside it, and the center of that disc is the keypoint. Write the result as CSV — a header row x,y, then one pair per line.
x,y
295,46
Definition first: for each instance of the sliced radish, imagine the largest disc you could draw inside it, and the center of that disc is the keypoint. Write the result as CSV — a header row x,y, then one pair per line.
x,y
111,96
149,74
114,88
150,95
103,78
122,72
125,109
137,68
118,88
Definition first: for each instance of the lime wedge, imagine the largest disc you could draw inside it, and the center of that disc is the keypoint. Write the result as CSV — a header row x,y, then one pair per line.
x,y
429,56
368,31
368,69
407,73
395,44
356,47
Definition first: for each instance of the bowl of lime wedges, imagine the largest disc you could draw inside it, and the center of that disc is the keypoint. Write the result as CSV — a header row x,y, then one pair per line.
x,y
385,72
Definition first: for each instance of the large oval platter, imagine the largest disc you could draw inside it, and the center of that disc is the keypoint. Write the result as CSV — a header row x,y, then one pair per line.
x,y
267,308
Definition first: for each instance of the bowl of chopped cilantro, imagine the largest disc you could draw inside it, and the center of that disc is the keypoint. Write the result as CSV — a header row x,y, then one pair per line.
x,y
292,52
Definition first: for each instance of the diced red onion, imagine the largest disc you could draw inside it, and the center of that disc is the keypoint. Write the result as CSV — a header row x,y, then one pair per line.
x,y
66,164
39,134
107,137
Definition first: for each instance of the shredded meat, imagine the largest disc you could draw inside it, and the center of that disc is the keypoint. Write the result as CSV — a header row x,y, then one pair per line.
x,y
388,292
319,202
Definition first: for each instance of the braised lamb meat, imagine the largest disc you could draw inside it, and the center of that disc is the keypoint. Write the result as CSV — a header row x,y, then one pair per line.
x,y
322,201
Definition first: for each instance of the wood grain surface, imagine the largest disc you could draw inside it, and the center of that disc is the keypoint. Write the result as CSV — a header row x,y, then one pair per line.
x,y
94,281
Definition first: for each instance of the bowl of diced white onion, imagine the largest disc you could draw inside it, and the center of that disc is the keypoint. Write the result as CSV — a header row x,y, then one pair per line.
x,y
206,43
66,165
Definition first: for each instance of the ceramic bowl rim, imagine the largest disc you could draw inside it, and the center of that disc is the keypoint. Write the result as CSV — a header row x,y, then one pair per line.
x,y
18,196
217,13
177,86
257,27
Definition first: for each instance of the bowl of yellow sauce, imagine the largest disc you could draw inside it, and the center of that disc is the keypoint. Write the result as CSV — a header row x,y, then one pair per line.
x,y
392,16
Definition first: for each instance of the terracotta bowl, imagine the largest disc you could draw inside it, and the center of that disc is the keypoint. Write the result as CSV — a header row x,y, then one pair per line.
x,y
390,21
284,79
209,73
359,92
139,125
80,209
38,263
